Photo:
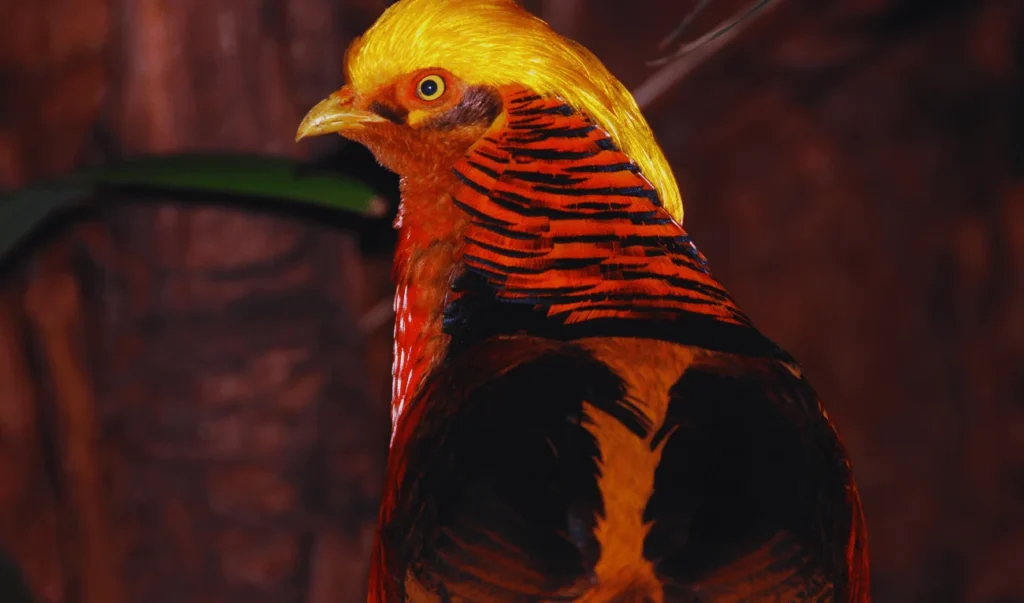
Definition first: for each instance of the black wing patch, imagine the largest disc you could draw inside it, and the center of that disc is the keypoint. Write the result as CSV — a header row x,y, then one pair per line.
x,y
750,498
500,496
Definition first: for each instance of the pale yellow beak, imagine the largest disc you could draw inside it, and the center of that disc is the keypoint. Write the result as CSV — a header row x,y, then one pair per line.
x,y
335,114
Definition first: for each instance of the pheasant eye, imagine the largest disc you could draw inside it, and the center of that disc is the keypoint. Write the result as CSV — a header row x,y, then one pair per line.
x,y
430,88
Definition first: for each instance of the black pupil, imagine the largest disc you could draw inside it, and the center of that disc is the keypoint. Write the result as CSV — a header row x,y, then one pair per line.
x,y
428,87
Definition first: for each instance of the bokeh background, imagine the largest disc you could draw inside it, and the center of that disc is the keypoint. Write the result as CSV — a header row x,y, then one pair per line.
x,y
193,396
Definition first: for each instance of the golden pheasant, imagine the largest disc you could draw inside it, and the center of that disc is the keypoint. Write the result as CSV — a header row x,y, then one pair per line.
x,y
580,410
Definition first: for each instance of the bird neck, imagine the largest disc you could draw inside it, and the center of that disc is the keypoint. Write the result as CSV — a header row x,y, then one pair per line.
x,y
545,227
427,257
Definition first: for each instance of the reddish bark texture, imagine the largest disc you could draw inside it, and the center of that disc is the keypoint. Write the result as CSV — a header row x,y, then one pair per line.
x,y
852,169
233,449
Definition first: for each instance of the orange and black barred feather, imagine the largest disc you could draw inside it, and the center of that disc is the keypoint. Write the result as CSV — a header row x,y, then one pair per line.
x,y
564,218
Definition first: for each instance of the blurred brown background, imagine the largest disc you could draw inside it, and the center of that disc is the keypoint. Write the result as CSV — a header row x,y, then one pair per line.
x,y
193,396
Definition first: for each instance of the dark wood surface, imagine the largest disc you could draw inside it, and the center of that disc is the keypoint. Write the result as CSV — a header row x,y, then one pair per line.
x,y
190,410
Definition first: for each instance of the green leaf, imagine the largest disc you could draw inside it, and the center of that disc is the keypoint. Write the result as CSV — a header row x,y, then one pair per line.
x,y
245,176
24,210
260,176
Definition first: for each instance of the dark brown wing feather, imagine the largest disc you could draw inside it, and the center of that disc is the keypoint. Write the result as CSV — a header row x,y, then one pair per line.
x,y
754,499
499,496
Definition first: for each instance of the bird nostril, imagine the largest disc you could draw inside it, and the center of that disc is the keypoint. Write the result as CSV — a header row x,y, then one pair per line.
x,y
345,95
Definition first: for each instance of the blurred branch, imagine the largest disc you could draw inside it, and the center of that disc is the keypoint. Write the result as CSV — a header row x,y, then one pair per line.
x,y
687,20
53,305
25,488
691,55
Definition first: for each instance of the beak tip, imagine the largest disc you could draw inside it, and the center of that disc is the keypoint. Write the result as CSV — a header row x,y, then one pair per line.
x,y
309,126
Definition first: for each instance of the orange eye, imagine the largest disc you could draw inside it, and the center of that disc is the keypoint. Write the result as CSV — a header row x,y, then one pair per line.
x,y
430,88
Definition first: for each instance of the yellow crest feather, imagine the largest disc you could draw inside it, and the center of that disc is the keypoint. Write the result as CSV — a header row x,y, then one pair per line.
x,y
496,42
